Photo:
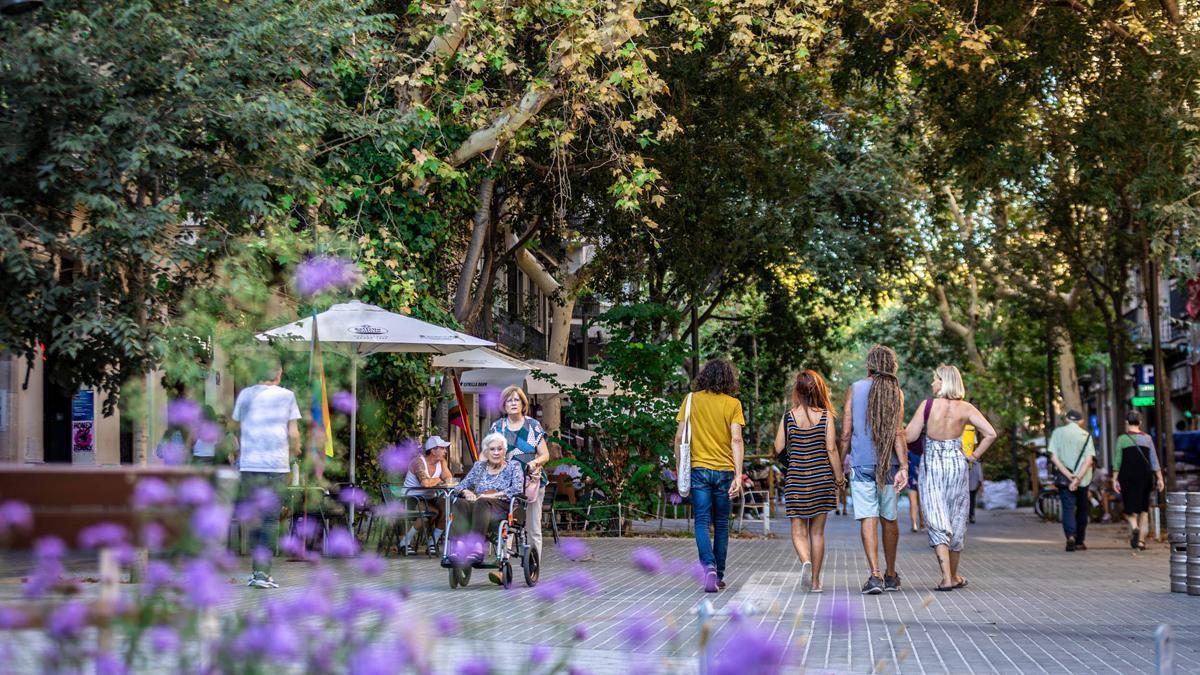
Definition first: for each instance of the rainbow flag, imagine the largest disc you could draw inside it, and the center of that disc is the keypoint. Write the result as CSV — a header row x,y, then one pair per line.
x,y
320,395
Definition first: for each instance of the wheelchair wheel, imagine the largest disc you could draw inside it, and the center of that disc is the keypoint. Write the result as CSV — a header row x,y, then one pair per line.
x,y
453,578
460,577
506,574
531,566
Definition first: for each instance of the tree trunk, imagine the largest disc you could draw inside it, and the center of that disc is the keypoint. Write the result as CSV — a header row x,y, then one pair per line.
x,y
560,335
1068,377
479,232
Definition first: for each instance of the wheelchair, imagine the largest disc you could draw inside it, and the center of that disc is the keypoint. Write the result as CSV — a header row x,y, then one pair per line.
x,y
509,539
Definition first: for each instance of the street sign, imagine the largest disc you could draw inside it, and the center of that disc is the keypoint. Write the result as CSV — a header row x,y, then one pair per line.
x,y
1143,379
1142,401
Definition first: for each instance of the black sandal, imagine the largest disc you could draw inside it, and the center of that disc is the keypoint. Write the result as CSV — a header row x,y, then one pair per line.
x,y
961,584
944,588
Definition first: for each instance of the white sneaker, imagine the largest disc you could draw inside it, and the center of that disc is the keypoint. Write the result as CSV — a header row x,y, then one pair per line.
x,y
806,576
261,580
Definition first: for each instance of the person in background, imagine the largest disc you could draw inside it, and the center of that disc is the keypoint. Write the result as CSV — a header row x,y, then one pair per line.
x,y
805,441
717,454
1071,446
872,435
944,483
204,451
974,469
265,418
914,492
1135,473
425,471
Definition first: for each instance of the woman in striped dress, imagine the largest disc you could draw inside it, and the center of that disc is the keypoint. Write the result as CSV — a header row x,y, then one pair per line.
x,y
812,471
945,498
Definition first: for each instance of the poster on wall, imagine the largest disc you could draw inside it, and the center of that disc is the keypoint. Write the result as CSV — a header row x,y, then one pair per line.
x,y
83,431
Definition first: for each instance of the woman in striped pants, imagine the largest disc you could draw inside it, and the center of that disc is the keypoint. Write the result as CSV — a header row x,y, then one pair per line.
x,y
945,499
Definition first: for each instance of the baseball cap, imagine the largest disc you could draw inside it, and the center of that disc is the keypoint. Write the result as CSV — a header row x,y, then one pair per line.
x,y
436,442
1074,415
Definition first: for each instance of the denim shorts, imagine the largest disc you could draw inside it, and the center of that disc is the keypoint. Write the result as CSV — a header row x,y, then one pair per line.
x,y
871,500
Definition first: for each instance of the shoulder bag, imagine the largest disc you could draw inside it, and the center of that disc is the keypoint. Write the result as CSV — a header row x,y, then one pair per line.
x,y
683,473
1061,481
917,447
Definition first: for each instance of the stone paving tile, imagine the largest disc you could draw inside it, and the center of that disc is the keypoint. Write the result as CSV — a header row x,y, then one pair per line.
x,y
1030,606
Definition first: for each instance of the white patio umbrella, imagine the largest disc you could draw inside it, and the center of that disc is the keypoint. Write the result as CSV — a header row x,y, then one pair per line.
x,y
489,369
357,329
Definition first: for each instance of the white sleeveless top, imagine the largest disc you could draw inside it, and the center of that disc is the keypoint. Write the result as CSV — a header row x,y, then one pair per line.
x,y
411,480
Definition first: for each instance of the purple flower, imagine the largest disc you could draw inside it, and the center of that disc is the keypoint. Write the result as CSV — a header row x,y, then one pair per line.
x,y
581,580
361,601
352,496
203,587
647,560
293,546
378,659
668,474
172,452
573,549
395,459
44,577
11,618
477,666
154,536
183,412
261,555
490,400
326,273
538,654
151,491
210,523
102,535
343,402
49,548
674,498
68,620
840,614
159,575
580,632
109,664
196,491
550,591
341,543
638,630
749,649
209,432
445,624
163,639
15,515
372,565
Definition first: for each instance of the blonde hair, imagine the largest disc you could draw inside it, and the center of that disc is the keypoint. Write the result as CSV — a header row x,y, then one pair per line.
x,y
492,438
952,383
514,389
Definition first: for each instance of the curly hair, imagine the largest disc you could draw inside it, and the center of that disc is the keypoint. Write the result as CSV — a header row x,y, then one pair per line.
x,y
811,391
717,376
885,407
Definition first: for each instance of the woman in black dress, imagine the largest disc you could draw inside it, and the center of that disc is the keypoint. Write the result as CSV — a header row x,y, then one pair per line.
x,y
1135,473
812,471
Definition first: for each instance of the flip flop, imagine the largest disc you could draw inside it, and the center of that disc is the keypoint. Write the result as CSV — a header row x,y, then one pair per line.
x,y
961,584
1141,546
944,588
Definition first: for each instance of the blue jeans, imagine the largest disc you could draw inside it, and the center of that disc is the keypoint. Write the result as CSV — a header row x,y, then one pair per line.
x,y
1075,512
264,530
710,501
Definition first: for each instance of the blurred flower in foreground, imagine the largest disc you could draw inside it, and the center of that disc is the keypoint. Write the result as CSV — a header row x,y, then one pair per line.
x,y
647,560
490,400
573,549
102,535
16,516
343,402
340,543
749,650
184,412
326,273
840,614
395,458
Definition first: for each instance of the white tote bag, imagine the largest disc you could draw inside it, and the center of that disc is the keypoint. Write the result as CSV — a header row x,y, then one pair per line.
x,y
683,473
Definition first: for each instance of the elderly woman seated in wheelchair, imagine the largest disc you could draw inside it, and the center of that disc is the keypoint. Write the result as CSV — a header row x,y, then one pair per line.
x,y
487,513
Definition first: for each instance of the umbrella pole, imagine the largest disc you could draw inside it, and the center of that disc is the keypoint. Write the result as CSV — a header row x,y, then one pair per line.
x,y
353,425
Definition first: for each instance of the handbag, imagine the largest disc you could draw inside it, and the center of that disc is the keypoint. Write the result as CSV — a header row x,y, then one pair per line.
x,y
683,473
917,447
1061,481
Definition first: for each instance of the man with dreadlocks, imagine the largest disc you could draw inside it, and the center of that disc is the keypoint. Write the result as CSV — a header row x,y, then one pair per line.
x,y
873,434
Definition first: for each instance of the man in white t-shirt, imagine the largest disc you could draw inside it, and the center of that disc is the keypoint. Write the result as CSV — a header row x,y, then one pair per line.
x,y
265,416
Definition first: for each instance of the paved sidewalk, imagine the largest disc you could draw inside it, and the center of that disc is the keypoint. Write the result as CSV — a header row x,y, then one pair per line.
x,y
1030,606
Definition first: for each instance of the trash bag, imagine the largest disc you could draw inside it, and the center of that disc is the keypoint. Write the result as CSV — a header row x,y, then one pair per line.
x,y
999,494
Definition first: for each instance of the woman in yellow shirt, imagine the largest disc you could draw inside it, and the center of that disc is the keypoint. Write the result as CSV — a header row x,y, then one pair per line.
x,y
716,421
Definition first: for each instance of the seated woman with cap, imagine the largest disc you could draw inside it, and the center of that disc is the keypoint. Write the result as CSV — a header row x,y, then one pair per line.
x,y
427,470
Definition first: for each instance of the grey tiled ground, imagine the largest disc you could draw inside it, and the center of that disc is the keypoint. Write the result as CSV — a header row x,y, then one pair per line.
x,y
1030,607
